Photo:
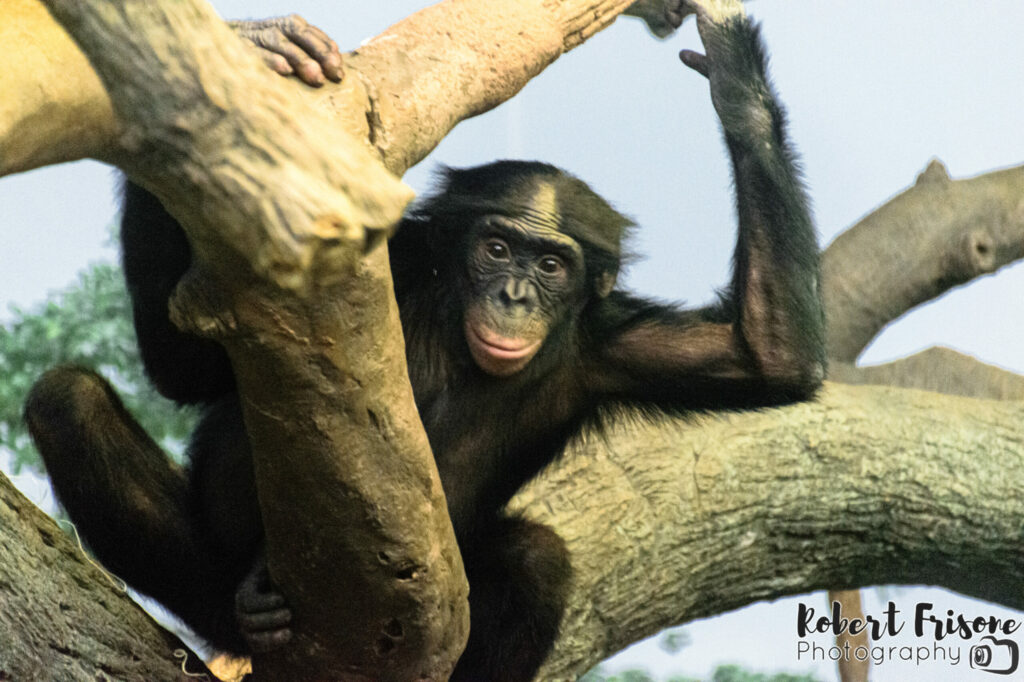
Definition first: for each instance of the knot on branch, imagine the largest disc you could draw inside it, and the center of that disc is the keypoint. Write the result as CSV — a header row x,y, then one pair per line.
x,y
976,255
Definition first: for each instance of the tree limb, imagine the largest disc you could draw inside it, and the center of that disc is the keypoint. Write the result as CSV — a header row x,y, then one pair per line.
x,y
938,234
404,91
672,522
675,521
937,369
60,614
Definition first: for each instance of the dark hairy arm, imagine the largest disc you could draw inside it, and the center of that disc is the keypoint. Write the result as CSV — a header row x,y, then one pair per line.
x,y
764,343
156,253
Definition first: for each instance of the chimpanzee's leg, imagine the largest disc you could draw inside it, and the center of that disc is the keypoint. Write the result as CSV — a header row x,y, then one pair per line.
x,y
519,575
132,506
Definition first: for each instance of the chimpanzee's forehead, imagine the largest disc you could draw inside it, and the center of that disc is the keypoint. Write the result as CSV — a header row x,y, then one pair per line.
x,y
525,229
533,194
536,212
539,208
535,205
532,218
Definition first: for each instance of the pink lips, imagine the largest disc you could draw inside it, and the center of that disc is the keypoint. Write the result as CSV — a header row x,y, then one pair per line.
x,y
496,354
498,346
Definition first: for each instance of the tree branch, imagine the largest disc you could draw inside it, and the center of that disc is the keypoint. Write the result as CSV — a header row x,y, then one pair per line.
x,y
938,234
679,520
404,90
672,522
937,369
461,58
60,614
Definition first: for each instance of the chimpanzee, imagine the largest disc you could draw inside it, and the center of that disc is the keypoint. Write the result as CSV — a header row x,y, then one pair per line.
x,y
516,338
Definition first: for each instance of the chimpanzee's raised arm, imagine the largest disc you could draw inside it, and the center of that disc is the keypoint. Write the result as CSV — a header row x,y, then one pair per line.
x,y
764,344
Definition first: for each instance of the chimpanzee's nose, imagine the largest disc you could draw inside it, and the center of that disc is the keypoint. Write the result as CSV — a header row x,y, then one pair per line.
x,y
516,290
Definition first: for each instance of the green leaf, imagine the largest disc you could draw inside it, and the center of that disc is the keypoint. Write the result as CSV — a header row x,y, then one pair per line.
x,y
88,324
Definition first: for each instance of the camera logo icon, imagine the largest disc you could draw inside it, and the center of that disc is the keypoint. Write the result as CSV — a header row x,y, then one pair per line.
x,y
999,656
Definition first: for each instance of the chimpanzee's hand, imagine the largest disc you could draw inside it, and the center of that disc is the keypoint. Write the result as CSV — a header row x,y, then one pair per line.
x,y
662,17
262,612
710,13
290,45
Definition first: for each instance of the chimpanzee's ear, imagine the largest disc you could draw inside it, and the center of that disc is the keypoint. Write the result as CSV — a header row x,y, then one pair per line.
x,y
604,283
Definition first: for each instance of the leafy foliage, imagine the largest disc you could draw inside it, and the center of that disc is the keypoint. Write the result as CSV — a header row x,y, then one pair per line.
x,y
89,324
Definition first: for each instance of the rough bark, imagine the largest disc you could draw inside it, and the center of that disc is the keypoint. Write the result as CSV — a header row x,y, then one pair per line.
x,y
672,522
938,234
62,618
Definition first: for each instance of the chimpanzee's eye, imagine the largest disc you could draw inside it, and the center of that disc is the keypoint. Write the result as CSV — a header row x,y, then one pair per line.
x,y
496,249
551,265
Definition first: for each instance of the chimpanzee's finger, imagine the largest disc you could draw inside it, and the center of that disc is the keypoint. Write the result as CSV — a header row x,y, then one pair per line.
x,y
276,62
304,66
319,45
695,60
270,640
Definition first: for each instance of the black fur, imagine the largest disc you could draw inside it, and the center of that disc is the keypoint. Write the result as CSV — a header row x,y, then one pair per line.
x,y
188,538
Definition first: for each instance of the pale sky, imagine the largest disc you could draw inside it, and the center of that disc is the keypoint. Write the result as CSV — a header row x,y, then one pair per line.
x,y
874,90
